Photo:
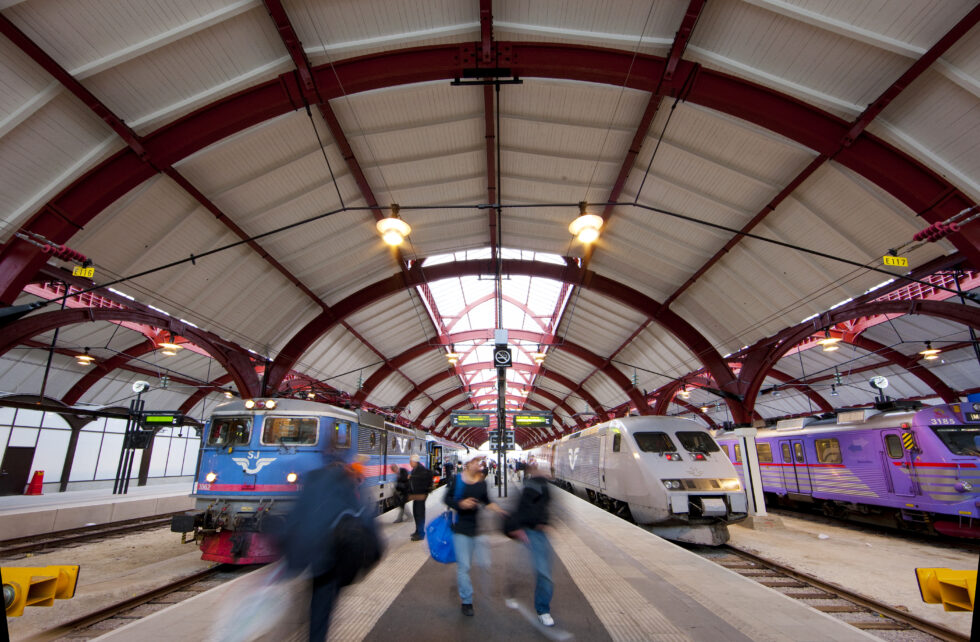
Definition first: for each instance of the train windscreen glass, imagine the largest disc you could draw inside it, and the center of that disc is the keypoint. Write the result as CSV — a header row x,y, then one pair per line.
x,y
230,431
289,430
961,440
697,442
654,442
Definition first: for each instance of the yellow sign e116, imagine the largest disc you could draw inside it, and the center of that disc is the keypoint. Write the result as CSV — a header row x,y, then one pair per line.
x,y
84,272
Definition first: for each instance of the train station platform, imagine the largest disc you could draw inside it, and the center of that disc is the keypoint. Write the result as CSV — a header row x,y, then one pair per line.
x,y
27,515
613,581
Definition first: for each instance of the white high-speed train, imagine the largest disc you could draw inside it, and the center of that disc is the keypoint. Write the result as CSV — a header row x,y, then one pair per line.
x,y
666,473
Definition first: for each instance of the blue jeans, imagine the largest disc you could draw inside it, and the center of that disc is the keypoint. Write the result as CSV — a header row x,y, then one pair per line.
x,y
541,558
466,549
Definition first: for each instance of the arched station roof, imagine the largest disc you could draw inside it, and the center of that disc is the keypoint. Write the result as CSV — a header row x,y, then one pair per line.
x,y
223,165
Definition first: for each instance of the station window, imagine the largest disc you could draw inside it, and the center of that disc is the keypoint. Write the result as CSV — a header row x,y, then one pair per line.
x,y
697,442
765,452
230,431
787,456
828,451
617,441
290,430
654,442
894,445
341,434
738,453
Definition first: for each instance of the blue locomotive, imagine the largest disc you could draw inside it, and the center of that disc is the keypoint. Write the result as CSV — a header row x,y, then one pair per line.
x,y
255,454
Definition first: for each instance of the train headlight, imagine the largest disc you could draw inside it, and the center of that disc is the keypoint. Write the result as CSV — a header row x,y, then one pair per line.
x,y
963,487
673,484
673,456
730,484
291,478
250,403
210,477
270,404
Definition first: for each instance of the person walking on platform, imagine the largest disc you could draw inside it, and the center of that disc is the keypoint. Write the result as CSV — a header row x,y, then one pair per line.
x,y
420,483
531,519
466,494
401,491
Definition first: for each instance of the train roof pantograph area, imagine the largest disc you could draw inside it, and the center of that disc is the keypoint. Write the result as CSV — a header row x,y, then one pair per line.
x,y
781,197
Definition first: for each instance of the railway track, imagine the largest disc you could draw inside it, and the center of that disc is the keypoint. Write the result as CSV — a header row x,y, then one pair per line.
x,y
13,548
117,615
857,610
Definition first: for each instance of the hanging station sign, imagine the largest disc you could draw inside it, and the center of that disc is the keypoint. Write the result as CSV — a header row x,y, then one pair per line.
x,y
470,420
532,420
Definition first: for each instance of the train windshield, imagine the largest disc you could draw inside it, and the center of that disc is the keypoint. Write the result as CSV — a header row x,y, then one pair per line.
x,y
289,430
697,442
230,431
961,440
654,442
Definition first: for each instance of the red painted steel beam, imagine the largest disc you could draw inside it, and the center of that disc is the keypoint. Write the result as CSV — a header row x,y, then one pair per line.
x,y
919,188
233,361
684,332
857,127
909,363
103,368
762,356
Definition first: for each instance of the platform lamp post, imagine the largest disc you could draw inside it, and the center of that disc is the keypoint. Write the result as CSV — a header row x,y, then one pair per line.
x,y
128,453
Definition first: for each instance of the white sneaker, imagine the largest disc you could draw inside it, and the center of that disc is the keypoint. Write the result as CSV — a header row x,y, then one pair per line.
x,y
546,619
511,603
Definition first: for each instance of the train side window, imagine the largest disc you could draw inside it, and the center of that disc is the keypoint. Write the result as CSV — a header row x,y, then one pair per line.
x,y
798,451
617,441
765,452
738,453
230,431
894,444
828,451
654,442
373,439
341,434
394,444
290,430
787,456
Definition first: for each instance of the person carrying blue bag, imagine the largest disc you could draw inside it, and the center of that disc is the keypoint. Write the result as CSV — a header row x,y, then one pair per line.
x,y
466,494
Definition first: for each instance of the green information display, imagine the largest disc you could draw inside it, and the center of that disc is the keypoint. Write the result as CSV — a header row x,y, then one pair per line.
x,y
161,418
473,420
535,420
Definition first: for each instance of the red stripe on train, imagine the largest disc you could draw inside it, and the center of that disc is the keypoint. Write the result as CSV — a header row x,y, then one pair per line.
x,y
936,464
274,488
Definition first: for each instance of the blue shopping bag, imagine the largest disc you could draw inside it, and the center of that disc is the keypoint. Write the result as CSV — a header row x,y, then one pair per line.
x,y
439,535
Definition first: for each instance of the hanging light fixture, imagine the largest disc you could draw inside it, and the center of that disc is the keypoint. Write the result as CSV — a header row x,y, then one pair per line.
x,y
828,342
229,394
833,390
393,230
171,347
704,409
452,355
586,227
685,393
930,353
538,356
84,359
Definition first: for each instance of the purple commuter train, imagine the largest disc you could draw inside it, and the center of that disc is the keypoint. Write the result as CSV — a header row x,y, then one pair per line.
x,y
917,467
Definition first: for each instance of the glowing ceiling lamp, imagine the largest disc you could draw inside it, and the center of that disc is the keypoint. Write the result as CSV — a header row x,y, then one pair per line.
x,y
704,409
930,353
685,393
169,348
84,359
393,230
229,394
828,342
452,355
586,227
538,356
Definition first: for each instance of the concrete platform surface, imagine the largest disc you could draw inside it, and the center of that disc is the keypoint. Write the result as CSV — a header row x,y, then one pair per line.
x,y
864,560
613,581
26,515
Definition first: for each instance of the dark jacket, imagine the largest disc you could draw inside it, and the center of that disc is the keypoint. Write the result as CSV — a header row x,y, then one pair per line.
x,y
420,480
402,485
465,523
532,509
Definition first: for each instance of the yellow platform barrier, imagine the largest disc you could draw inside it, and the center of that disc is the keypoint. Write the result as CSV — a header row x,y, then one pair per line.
x,y
25,586
954,589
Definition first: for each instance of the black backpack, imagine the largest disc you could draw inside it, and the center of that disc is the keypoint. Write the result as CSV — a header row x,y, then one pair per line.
x,y
355,545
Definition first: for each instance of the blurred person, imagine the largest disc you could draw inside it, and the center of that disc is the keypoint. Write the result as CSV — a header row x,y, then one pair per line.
x,y
531,522
401,491
330,533
420,483
466,495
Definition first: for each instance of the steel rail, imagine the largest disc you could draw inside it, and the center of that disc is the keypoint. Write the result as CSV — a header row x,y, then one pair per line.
x,y
56,539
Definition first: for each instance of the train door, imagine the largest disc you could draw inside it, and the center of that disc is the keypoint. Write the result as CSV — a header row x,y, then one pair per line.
x,y
898,461
801,468
796,474
603,438
786,467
